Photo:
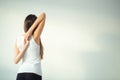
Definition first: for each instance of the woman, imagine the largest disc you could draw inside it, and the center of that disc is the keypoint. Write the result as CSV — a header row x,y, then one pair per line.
x,y
28,47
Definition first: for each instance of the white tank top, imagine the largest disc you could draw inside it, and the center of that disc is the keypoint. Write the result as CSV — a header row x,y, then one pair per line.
x,y
31,62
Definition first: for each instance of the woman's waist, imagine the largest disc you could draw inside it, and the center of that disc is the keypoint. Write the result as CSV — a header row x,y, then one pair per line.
x,y
30,67
27,67
31,61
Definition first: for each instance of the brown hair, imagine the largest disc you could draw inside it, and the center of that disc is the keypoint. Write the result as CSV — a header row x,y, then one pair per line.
x,y
29,20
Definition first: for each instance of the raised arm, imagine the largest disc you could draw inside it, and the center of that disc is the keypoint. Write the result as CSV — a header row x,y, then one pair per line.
x,y
37,26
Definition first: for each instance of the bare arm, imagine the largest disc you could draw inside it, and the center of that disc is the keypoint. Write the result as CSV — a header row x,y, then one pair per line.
x,y
38,26
19,54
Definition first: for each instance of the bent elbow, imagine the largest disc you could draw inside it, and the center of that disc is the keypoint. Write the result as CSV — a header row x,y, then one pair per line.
x,y
15,62
43,15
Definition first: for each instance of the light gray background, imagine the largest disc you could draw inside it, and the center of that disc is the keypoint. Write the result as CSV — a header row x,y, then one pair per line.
x,y
81,38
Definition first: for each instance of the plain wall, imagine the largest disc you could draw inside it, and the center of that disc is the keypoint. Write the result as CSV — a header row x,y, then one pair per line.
x,y
81,38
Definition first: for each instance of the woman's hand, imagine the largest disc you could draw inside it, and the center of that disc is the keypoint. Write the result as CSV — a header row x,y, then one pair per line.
x,y
26,43
27,36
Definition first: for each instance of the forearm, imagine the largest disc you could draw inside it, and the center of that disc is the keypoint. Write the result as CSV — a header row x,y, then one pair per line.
x,y
20,55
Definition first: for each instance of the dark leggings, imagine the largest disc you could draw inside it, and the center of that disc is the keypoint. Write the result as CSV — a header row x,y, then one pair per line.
x,y
28,76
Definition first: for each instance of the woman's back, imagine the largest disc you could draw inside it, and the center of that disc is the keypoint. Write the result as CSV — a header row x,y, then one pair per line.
x,y
31,61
